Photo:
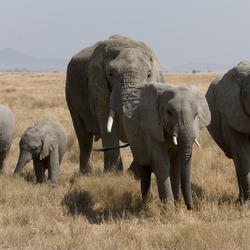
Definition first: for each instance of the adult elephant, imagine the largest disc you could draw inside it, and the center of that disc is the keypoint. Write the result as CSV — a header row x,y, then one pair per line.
x,y
99,79
162,122
229,101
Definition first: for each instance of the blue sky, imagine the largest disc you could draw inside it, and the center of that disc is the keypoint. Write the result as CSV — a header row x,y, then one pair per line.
x,y
215,31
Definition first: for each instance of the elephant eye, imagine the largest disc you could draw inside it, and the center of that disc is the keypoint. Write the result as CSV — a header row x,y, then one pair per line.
x,y
149,73
110,74
169,112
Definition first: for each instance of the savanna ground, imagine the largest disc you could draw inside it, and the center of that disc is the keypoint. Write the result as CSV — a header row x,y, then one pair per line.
x,y
104,211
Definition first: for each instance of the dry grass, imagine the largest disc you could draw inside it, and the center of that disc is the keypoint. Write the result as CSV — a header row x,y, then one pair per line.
x,y
104,211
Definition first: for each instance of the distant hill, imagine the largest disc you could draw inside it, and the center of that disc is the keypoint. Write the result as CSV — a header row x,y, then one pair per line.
x,y
200,66
14,60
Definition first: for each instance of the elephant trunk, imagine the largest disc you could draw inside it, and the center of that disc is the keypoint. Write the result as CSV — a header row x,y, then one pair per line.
x,y
130,80
185,143
23,159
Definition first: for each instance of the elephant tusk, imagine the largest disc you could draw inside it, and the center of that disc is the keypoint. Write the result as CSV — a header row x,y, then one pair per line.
x,y
197,143
110,120
175,140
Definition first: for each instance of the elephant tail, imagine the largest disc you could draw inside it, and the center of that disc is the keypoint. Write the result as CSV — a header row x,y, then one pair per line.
x,y
111,148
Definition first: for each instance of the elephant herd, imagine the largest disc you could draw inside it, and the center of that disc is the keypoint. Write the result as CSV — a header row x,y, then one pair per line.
x,y
115,91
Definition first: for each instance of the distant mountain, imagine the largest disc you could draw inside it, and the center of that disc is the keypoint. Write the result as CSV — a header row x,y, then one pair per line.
x,y
14,60
201,66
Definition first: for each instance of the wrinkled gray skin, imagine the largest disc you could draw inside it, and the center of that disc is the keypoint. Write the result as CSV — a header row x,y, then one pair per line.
x,y
99,78
7,127
154,113
229,102
45,143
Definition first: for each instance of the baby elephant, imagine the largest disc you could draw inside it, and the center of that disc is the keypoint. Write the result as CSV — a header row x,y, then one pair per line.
x,y
7,127
45,143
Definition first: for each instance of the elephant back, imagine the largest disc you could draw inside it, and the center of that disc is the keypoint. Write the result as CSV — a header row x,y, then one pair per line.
x,y
7,124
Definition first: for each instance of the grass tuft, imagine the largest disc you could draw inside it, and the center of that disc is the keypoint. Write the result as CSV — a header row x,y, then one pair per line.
x,y
104,196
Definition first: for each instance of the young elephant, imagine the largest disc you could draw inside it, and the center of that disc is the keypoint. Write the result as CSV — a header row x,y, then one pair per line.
x,y
45,143
7,127
161,122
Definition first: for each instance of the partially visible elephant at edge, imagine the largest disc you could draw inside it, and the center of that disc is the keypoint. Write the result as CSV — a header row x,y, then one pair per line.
x,y
162,122
45,143
229,102
99,79
7,128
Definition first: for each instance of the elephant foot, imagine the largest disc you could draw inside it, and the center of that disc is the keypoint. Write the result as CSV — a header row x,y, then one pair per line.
x,y
53,185
134,171
240,202
113,167
112,170
86,170
247,205
133,174
147,198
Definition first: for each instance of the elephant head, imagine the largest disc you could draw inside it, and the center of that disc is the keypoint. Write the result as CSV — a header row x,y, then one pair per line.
x,y
36,142
174,115
116,67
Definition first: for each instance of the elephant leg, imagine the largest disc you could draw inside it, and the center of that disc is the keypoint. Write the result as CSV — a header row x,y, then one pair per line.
x,y
134,169
162,174
164,188
112,158
160,159
112,161
240,150
3,156
44,168
145,176
53,167
85,140
175,177
53,174
242,166
39,167
85,144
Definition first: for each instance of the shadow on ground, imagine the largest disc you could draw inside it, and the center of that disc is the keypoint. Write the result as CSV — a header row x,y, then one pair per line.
x,y
82,203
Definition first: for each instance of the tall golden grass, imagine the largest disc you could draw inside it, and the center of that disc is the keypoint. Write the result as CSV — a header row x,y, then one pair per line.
x,y
104,211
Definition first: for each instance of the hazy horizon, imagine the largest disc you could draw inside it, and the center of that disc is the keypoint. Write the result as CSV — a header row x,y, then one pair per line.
x,y
179,32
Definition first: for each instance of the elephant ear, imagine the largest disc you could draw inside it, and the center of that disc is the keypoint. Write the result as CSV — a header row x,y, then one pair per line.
x,y
159,77
142,106
50,142
98,82
233,97
156,69
204,115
